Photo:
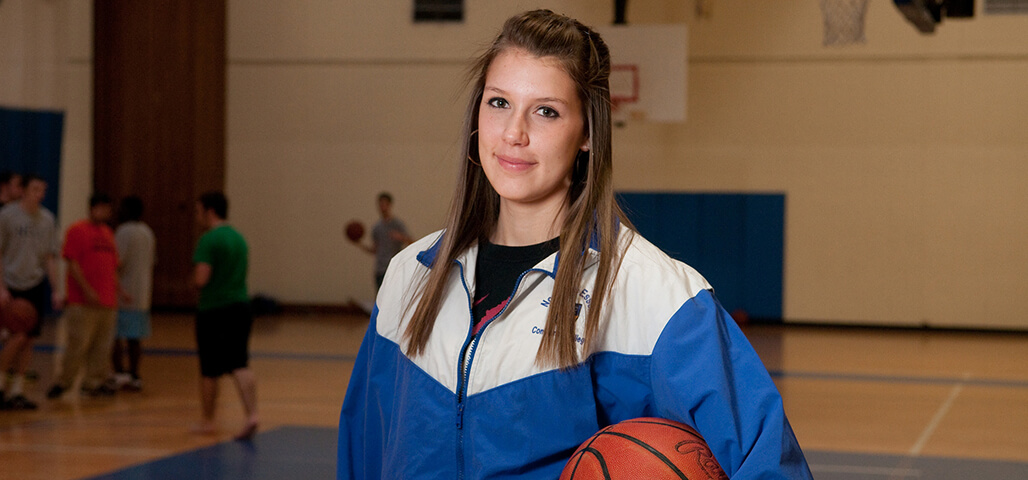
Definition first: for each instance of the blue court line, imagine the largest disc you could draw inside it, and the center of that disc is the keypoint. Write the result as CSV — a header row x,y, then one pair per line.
x,y
310,452
186,352
863,377
848,466
847,377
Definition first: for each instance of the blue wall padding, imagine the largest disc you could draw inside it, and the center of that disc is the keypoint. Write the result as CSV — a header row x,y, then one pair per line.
x,y
735,240
30,142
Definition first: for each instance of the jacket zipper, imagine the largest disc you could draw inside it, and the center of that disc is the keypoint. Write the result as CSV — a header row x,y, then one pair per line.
x,y
468,354
465,368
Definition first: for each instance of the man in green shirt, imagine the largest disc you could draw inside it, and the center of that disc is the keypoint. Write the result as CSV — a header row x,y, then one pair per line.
x,y
223,319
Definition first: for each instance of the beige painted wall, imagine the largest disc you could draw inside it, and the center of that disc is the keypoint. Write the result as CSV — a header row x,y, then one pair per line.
x,y
902,159
45,64
330,103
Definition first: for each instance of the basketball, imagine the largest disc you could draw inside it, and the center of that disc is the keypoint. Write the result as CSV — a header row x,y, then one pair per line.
x,y
651,448
18,316
354,230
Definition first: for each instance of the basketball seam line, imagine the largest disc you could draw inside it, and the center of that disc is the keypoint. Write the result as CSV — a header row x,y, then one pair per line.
x,y
667,461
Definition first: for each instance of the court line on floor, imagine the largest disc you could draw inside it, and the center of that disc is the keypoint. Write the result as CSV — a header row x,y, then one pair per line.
x,y
867,377
891,472
936,419
71,449
853,377
188,352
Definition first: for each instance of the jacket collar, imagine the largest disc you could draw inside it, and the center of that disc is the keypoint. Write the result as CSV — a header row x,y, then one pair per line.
x,y
548,265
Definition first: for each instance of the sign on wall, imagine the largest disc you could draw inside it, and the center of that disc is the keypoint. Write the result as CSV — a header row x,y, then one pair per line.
x,y
438,10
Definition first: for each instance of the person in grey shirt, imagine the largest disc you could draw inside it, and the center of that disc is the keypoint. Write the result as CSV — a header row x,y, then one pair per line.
x,y
388,237
29,247
137,250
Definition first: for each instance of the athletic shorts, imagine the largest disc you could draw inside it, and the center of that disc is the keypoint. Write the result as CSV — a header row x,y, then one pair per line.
x,y
222,339
133,324
39,298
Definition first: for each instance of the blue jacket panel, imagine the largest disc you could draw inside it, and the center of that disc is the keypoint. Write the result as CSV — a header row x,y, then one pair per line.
x,y
478,407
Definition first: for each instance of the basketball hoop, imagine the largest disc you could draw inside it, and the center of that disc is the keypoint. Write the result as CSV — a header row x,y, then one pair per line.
x,y
844,21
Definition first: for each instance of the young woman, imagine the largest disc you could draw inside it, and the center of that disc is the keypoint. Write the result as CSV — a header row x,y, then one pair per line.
x,y
537,317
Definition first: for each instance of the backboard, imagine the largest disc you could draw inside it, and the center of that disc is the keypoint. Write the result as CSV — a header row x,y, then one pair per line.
x,y
648,72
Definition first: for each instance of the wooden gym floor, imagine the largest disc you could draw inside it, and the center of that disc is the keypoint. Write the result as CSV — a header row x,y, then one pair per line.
x,y
864,403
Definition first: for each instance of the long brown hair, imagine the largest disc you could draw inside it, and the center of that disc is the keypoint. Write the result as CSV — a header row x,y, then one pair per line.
x,y
593,216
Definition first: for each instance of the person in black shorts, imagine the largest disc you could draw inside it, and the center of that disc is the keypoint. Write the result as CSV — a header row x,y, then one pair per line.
x,y
28,251
223,318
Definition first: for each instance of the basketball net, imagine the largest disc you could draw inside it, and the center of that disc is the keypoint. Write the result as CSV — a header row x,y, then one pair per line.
x,y
618,114
844,21
624,92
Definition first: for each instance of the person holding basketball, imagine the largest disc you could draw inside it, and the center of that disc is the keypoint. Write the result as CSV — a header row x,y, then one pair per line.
x,y
29,246
537,316
388,237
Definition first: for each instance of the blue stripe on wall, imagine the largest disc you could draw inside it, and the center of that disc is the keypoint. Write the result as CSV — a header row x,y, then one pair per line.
x,y
30,142
735,240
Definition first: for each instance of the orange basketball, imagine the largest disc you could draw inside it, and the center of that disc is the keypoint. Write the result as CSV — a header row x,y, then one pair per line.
x,y
18,315
354,230
651,448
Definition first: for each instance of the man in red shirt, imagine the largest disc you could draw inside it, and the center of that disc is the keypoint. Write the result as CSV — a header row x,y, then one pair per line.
x,y
91,312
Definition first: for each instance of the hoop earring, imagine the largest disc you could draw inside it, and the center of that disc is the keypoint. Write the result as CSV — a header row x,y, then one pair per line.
x,y
473,162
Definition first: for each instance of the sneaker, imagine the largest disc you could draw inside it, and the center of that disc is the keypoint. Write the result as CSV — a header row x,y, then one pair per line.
x,y
133,385
55,392
119,380
101,391
19,402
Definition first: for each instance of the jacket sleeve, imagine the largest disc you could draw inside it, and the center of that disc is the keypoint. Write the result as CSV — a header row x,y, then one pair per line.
x,y
356,449
705,373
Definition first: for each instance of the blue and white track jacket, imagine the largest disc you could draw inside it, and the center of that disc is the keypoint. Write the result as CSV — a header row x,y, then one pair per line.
x,y
478,406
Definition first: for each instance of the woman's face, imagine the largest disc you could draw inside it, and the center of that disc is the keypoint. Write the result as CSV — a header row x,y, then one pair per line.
x,y
530,128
